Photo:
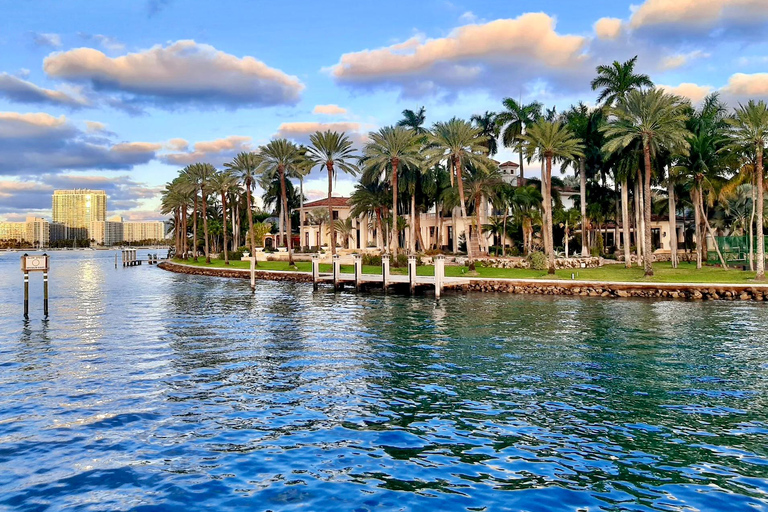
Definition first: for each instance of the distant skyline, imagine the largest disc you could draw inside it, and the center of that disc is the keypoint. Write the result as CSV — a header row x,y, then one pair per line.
x,y
119,96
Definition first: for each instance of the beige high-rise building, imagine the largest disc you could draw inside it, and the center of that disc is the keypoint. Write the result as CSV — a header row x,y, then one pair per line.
x,y
35,231
141,231
13,231
106,232
76,209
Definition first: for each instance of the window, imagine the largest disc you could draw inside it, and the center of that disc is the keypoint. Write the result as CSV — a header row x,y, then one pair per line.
x,y
335,215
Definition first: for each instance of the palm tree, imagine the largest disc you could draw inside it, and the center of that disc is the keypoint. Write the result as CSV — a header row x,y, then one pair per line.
x,y
526,203
568,219
551,140
461,144
276,158
481,183
301,168
513,121
318,217
245,165
176,199
371,198
489,128
345,229
388,149
750,126
617,80
656,119
332,150
223,182
414,120
200,174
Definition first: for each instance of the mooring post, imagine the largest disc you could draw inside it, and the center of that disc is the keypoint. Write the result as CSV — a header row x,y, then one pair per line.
x,y
26,295
253,272
45,294
385,270
315,270
115,260
412,273
439,274
336,271
358,271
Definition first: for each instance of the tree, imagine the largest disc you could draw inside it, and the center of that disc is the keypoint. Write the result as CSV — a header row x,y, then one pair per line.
x,y
371,198
551,140
617,80
657,120
489,128
526,203
318,217
750,126
512,123
223,182
200,174
332,150
461,144
414,120
388,149
276,158
345,229
245,166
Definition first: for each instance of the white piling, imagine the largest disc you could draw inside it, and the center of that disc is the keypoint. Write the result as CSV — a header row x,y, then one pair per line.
x,y
385,270
412,273
439,274
358,271
336,271
315,270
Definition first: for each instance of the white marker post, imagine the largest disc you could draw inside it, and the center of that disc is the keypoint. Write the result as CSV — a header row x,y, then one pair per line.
x,y
35,263
253,272
315,270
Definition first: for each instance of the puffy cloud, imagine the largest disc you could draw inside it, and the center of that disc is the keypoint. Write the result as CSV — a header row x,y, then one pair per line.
x,y
742,86
182,73
496,55
95,126
693,92
329,110
17,90
300,131
51,40
608,28
697,14
680,59
215,152
37,143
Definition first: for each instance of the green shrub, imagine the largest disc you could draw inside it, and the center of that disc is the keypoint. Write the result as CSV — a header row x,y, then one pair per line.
x,y
236,255
371,259
538,260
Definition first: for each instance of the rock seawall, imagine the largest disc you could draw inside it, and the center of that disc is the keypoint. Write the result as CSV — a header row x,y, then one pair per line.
x,y
598,289
269,275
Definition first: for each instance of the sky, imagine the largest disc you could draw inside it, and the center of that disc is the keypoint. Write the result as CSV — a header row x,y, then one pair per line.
x,y
121,95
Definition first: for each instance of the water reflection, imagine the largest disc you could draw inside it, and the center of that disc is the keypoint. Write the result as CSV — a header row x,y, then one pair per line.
x,y
173,392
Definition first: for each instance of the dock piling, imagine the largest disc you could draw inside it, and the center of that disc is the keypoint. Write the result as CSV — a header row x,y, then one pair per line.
x,y
336,272
439,274
315,270
412,273
358,271
253,272
26,296
385,271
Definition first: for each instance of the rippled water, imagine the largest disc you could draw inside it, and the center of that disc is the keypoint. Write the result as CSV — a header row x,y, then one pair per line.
x,y
148,390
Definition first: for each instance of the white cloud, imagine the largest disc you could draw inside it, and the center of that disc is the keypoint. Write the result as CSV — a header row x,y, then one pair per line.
x,y
329,110
52,40
692,91
702,14
181,73
215,152
496,56
743,86
681,59
300,131
608,28
21,91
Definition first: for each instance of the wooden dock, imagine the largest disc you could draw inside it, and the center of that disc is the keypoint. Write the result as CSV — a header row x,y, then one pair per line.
x,y
386,279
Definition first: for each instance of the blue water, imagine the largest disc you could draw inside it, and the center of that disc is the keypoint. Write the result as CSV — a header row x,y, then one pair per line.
x,y
148,390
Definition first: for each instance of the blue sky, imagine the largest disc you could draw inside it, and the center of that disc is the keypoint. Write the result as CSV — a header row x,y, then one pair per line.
x,y
119,95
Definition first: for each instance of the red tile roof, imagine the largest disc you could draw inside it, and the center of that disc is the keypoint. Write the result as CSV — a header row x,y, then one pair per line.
x,y
336,202
509,163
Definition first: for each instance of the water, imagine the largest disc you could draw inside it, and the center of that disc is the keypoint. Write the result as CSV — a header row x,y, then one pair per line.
x,y
148,390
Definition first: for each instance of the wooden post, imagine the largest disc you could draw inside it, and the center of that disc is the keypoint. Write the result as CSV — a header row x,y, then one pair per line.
x,y
439,274
315,270
358,271
45,294
336,271
115,260
26,294
253,272
385,270
412,273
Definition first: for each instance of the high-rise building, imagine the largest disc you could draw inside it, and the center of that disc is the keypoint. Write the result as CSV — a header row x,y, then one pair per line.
x,y
143,231
76,209
13,231
34,231
106,232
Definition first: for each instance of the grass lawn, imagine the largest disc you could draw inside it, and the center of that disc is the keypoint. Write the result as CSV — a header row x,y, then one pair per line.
x,y
664,273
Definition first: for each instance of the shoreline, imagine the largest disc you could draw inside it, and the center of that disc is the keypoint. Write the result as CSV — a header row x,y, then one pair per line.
x,y
577,288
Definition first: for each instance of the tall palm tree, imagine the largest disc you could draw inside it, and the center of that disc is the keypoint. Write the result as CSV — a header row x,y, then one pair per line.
x,y
301,168
657,120
332,150
551,140
223,182
526,203
388,149
189,181
461,144
176,199
371,198
277,158
245,166
481,183
414,120
617,80
201,173
750,126
512,122
489,128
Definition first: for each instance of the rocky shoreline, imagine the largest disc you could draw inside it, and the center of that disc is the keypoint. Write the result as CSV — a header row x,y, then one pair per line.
x,y
530,287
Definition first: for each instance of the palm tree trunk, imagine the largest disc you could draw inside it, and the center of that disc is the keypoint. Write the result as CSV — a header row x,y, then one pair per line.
x,y
250,219
412,229
548,216
760,276
522,172
752,231
380,233
205,226
460,184
184,239
638,224
672,221
286,213
617,216
712,234
301,206
625,221
395,235
194,230
504,234
224,216
697,225
419,236
648,260
439,237
583,201
332,230
177,229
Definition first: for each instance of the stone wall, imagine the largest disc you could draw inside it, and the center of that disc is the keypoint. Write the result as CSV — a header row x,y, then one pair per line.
x,y
301,277
655,290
